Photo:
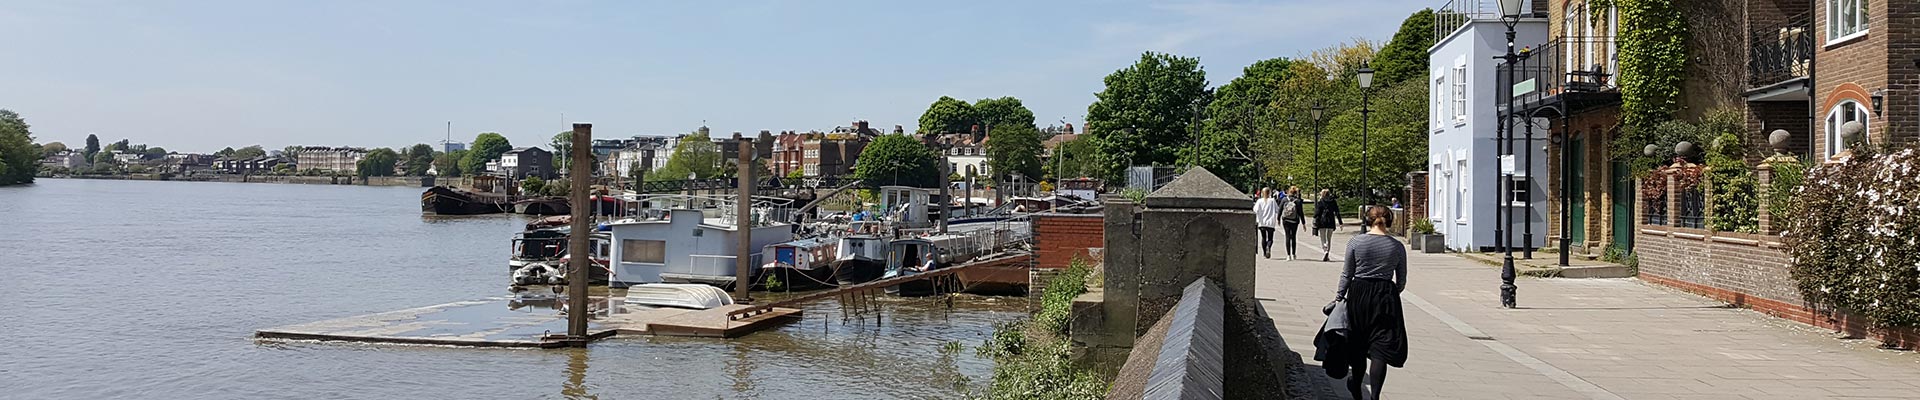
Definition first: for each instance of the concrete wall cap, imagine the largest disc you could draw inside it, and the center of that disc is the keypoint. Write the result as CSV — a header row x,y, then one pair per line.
x,y
1198,188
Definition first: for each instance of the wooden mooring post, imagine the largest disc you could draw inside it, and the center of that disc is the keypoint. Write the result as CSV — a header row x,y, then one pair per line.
x,y
577,264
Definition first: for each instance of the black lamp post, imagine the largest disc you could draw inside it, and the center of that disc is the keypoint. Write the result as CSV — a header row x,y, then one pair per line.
x,y
1315,112
1365,76
1510,11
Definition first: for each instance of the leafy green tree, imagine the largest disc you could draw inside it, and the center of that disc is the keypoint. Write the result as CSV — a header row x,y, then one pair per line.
x,y
19,162
1073,159
121,145
1014,148
1405,57
696,155
103,163
486,147
1242,112
52,148
898,160
155,151
93,145
251,152
562,142
378,162
992,114
448,163
1395,139
1146,113
226,152
947,115
797,173
419,159
533,185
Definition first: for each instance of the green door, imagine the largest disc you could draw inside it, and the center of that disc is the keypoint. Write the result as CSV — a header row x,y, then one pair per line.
x,y
1576,151
1623,197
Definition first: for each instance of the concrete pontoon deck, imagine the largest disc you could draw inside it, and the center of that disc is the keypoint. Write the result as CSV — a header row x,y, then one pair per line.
x,y
524,323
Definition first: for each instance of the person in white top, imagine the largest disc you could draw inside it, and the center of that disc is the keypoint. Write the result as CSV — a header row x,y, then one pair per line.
x,y
1266,213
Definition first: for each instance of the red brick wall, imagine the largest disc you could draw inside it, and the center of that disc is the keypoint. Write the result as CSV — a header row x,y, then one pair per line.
x,y
1058,238
1416,196
1745,270
1881,61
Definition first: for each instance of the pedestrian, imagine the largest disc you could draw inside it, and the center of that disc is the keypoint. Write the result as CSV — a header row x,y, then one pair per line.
x,y
1376,329
1266,214
1326,216
1290,216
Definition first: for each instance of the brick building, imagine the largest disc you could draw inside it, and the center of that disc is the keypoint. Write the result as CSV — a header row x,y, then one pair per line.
x,y
1866,67
327,158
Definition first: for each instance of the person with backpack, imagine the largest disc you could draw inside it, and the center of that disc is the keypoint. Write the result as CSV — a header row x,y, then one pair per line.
x,y
1290,213
1326,217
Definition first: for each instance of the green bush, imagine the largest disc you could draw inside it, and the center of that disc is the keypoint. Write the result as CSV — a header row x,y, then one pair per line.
x,y
1851,237
1033,358
1422,226
1735,205
1786,182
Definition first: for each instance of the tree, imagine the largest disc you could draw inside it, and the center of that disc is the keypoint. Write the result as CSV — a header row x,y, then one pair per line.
x,y
486,147
696,155
1014,148
419,158
251,152
119,146
947,115
562,142
1145,114
155,151
93,145
378,162
898,160
52,148
1073,159
448,163
533,185
1241,113
226,152
19,162
992,114
103,163
1405,57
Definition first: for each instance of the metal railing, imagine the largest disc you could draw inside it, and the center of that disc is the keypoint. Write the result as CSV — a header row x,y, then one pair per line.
x,y
1569,64
1780,53
1458,13
1693,208
1654,206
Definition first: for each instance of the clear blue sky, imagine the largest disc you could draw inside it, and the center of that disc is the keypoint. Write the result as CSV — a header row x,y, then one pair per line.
x,y
201,75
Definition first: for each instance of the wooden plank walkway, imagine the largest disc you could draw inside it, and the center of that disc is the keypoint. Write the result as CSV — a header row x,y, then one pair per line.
x,y
477,323
749,312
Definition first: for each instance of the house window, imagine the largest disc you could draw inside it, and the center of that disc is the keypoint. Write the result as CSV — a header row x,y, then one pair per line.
x,y
1439,86
643,251
1846,19
1461,184
1519,191
1846,111
1460,93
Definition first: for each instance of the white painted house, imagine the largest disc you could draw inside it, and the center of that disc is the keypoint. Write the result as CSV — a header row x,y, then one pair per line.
x,y
1461,153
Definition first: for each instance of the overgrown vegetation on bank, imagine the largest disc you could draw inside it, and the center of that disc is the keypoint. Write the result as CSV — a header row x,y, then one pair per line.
x,y
1033,358
1851,239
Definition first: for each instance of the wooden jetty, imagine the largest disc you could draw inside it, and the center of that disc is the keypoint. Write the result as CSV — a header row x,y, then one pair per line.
x,y
992,267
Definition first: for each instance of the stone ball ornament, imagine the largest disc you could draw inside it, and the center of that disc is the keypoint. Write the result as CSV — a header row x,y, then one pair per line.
x,y
1778,140
1650,150
1686,149
1851,131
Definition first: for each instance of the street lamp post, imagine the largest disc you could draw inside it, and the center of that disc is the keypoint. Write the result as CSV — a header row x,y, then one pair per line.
x,y
1365,76
1316,112
1510,11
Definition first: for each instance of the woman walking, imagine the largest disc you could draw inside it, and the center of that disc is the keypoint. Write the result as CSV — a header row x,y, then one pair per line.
x,y
1326,217
1266,214
1290,216
1370,285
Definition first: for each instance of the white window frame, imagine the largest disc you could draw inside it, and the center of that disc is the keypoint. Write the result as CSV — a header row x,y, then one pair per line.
x,y
1460,93
1463,179
1834,120
1836,33
1516,185
1439,102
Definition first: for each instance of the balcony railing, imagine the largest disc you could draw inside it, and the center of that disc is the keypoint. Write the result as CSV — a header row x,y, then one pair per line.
x,y
1563,65
1780,53
1457,13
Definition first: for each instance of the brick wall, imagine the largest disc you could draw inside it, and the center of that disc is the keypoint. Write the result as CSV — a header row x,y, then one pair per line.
x,y
1882,61
1766,116
1416,196
1744,270
1058,238
1596,129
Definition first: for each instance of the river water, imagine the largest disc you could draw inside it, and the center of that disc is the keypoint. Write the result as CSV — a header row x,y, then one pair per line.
x,y
137,289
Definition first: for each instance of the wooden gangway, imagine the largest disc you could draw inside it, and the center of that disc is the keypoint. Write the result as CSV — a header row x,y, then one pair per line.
x,y
999,260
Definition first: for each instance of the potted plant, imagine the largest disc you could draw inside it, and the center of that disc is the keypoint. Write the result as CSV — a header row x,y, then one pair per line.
x,y
1426,240
1418,230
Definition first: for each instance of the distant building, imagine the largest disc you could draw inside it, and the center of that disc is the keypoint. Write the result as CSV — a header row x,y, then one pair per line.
x,y
449,147
65,159
832,154
325,158
522,162
184,163
646,152
255,165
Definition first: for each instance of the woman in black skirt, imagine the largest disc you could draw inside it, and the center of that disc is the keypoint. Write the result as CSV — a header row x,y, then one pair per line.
x,y
1375,273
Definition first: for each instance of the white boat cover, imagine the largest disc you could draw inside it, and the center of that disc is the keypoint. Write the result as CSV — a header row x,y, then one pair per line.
x,y
683,295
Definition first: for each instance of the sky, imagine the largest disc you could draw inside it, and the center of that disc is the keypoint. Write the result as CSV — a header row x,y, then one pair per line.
x,y
198,76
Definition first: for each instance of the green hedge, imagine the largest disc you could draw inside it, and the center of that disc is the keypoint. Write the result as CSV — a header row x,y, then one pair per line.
x,y
1033,358
1851,236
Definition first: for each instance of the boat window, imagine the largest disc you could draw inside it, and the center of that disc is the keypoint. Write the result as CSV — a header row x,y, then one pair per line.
x,y
643,251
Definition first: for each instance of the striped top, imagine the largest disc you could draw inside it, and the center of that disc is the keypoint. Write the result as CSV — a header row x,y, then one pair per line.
x,y
1374,256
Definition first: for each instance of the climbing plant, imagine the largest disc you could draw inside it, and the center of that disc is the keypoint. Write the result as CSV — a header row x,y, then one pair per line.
x,y
1653,63
1735,204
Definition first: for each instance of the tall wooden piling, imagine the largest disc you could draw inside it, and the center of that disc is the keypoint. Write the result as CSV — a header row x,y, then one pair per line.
x,y
579,257
743,221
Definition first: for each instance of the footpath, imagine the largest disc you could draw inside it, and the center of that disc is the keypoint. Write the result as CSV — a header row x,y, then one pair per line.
x,y
1581,338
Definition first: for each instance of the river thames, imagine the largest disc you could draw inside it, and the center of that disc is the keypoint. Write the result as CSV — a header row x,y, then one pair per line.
x,y
139,289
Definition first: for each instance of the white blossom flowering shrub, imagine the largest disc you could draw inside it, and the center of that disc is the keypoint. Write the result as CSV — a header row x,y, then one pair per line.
x,y
1853,235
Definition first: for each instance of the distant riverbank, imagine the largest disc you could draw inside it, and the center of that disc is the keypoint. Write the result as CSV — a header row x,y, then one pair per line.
x,y
409,181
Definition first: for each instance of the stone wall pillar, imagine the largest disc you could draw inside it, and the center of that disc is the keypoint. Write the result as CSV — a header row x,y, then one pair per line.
x,y
1196,226
1673,201
1761,191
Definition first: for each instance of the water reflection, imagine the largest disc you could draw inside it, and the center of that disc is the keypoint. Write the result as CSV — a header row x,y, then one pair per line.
x,y
576,387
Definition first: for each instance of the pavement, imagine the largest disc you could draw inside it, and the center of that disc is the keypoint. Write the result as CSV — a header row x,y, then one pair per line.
x,y
1582,339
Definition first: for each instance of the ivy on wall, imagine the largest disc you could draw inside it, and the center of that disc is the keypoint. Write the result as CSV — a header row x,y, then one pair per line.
x,y
1734,201
1653,63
